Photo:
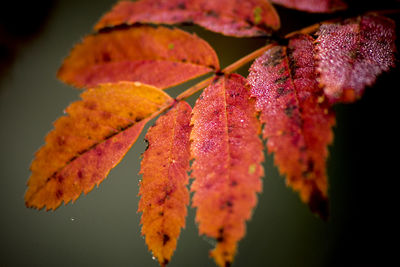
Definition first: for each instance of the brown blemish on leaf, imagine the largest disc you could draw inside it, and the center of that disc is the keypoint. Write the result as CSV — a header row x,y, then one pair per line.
x,y
281,79
166,238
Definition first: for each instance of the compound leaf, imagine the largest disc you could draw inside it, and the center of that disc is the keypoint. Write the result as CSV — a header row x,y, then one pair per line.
x,y
163,191
315,6
230,17
350,55
227,168
87,143
159,56
297,117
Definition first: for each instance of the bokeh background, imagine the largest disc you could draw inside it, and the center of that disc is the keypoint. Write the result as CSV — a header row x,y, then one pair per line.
x,y
102,228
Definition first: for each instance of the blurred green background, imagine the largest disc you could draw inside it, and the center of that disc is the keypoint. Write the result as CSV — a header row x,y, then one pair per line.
x,y
102,228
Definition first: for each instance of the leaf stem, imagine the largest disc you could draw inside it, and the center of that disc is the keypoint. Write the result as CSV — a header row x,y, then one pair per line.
x,y
195,88
253,55
229,69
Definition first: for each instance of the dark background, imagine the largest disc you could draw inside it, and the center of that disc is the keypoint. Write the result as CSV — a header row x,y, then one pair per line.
x,y
102,228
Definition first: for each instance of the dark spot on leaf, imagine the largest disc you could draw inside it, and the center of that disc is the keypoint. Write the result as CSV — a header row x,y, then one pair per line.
x,y
165,262
80,174
99,152
161,213
166,238
275,59
234,183
90,105
228,264
281,79
220,237
106,115
59,193
60,140
310,165
181,6
137,119
106,57
60,178
289,110
279,91
161,201
212,13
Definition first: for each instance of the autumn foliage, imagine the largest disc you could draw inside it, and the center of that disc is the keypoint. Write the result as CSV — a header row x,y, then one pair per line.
x,y
287,99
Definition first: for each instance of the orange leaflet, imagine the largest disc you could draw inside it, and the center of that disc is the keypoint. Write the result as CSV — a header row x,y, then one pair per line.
x,y
297,117
90,141
163,191
317,6
160,56
230,17
350,55
227,166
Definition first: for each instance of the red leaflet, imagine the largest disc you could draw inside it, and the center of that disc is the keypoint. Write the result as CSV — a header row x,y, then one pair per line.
x,y
90,141
297,118
227,163
352,54
163,191
230,17
159,56
317,6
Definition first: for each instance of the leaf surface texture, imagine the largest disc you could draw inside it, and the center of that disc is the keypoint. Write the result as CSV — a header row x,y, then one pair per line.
x,y
163,191
227,168
350,55
157,56
314,6
230,17
87,143
297,117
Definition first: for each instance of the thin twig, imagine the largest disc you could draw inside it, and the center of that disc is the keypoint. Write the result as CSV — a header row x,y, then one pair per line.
x,y
195,88
255,54
231,68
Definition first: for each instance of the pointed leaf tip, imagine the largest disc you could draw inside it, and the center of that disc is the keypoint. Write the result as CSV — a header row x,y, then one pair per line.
x,y
297,117
227,168
91,140
164,196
